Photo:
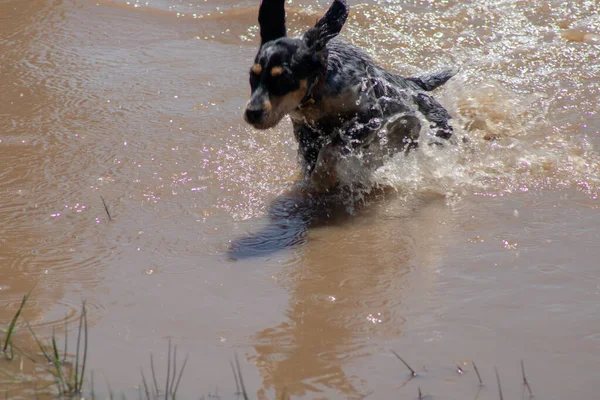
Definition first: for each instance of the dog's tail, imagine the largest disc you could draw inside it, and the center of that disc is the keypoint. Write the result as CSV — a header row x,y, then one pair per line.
x,y
434,80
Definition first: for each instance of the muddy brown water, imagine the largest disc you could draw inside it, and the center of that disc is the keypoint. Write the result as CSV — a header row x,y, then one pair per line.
x,y
487,252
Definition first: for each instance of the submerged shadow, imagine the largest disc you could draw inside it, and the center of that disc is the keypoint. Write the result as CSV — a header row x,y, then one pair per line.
x,y
291,215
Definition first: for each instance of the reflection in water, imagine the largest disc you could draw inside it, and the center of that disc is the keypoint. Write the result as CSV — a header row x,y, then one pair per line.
x,y
292,214
346,288
290,217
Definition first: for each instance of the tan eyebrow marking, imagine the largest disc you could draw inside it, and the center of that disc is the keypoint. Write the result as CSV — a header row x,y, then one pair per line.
x,y
256,69
276,71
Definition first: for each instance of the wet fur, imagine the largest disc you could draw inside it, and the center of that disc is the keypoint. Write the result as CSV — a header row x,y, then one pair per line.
x,y
339,100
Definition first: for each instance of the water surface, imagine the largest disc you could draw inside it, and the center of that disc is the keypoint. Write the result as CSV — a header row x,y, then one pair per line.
x,y
485,252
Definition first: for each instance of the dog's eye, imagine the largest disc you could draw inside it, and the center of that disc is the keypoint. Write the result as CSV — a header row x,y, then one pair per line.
x,y
255,72
282,84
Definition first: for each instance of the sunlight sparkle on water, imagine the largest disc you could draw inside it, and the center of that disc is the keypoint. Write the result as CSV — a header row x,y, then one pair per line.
x,y
375,319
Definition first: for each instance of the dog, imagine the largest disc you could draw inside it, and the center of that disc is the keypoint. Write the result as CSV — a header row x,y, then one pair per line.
x,y
340,102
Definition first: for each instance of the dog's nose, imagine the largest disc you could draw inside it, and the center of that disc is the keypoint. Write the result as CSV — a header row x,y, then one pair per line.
x,y
254,115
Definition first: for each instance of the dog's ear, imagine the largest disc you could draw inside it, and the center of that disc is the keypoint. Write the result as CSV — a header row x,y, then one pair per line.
x,y
271,19
327,27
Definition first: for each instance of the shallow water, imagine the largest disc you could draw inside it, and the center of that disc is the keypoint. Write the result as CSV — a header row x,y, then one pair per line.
x,y
485,252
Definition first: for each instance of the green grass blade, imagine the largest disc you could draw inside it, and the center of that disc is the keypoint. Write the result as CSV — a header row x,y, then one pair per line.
x,y
239,371
13,322
237,384
85,347
93,394
40,345
168,371
145,385
24,353
66,339
56,363
174,393
172,384
54,347
153,374
78,347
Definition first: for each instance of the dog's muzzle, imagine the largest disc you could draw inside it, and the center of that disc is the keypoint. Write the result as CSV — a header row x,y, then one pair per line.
x,y
253,115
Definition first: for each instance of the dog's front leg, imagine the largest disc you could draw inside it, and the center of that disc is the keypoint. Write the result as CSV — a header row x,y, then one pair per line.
x,y
310,142
356,135
324,176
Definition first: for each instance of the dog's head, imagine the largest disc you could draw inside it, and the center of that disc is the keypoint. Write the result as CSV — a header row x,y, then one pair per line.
x,y
285,69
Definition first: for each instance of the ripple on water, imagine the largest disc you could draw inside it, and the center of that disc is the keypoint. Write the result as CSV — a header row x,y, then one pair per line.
x,y
52,312
57,267
549,268
74,256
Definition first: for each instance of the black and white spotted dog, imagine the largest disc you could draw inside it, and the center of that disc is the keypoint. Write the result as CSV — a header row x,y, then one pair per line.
x,y
339,101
